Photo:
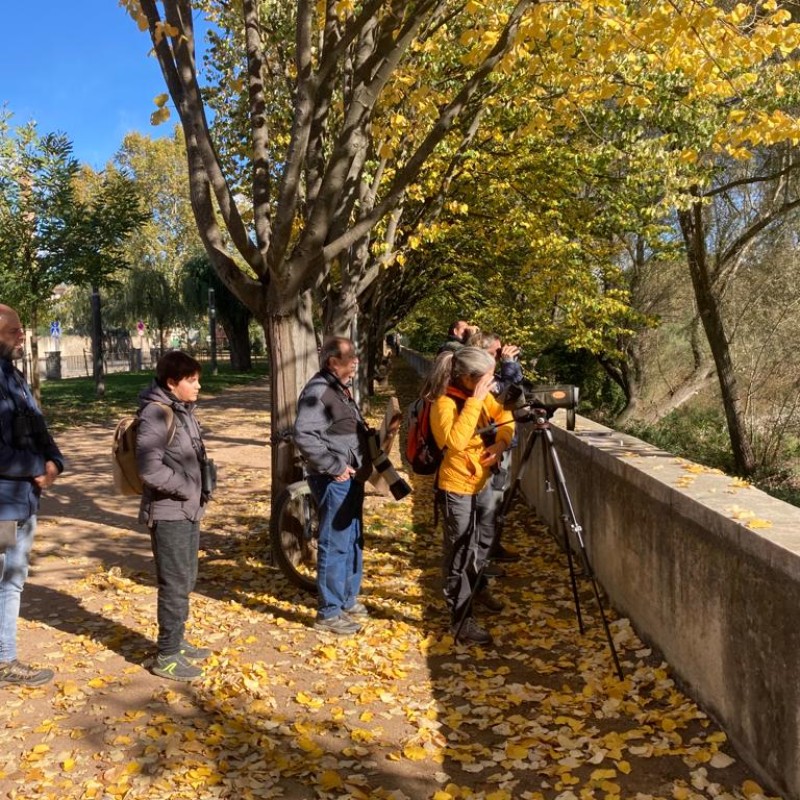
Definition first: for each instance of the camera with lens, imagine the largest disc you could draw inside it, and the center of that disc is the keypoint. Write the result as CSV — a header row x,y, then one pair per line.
x,y
29,431
208,477
380,461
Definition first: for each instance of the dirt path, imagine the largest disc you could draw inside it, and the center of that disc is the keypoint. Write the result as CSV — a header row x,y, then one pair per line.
x,y
397,712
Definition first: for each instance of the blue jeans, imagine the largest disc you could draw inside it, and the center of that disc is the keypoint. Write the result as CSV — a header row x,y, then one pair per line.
x,y
341,543
175,546
13,572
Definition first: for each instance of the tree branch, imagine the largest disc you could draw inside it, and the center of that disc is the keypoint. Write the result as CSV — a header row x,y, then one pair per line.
x,y
178,66
258,124
411,169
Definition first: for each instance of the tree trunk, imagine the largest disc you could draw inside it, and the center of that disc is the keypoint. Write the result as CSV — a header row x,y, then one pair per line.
x,y
239,339
709,307
293,357
97,345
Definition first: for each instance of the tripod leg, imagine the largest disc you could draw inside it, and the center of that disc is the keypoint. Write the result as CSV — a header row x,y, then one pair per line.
x,y
570,523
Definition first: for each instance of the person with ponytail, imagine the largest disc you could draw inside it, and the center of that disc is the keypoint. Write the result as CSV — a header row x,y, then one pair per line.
x,y
458,387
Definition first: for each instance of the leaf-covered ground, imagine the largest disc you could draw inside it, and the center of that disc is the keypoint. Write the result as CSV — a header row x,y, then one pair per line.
x,y
397,711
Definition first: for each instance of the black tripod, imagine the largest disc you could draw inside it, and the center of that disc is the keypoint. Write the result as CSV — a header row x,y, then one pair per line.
x,y
569,523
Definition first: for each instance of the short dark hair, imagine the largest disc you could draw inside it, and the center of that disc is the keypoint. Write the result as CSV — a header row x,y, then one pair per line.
x,y
175,366
451,331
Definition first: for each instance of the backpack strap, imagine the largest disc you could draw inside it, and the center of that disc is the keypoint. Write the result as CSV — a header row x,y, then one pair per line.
x,y
172,423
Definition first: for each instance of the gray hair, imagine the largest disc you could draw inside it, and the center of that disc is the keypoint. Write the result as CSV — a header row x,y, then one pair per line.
x,y
483,339
451,365
333,347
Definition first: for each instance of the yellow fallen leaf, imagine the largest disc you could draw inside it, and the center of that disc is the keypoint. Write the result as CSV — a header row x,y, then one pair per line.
x,y
330,779
515,751
413,752
603,774
307,700
751,788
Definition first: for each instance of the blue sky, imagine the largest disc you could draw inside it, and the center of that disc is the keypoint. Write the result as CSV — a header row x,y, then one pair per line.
x,y
81,68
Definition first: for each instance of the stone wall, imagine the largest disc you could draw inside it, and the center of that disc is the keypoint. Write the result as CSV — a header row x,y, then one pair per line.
x,y
706,568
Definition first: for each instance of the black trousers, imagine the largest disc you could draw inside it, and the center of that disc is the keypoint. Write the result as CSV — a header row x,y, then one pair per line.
x,y
468,533
175,546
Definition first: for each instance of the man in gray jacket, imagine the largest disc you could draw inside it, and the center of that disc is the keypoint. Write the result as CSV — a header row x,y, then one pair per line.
x,y
29,463
171,456
331,435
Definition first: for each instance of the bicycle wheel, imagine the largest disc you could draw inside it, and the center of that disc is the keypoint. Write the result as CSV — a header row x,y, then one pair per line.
x,y
294,535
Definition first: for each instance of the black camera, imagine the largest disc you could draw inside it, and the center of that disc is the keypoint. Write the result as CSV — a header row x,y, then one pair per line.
x,y
397,486
29,431
208,477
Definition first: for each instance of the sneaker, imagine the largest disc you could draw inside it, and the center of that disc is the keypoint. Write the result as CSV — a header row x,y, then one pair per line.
x,y
23,675
358,609
492,570
341,625
472,632
175,667
500,553
192,653
489,601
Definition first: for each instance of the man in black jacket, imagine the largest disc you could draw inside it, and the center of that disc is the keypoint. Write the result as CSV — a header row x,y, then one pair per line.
x,y
331,435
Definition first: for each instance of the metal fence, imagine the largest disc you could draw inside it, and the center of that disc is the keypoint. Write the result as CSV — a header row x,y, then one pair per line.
x,y
54,366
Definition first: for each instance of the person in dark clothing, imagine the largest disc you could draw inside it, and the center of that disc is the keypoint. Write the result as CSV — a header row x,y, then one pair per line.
x,y
30,461
508,373
331,435
457,335
170,455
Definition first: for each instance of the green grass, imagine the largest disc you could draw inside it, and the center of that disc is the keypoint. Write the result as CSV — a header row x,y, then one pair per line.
x,y
71,402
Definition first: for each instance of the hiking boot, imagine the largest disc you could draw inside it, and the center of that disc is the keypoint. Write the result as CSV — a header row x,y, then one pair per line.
x,y
358,609
471,632
192,653
492,570
176,667
22,675
489,601
342,625
500,553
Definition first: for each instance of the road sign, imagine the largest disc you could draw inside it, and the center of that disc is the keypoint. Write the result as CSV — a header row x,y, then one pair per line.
x,y
55,328
140,327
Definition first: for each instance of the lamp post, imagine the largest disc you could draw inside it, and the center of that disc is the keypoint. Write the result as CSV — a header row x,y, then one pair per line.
x,y
212,329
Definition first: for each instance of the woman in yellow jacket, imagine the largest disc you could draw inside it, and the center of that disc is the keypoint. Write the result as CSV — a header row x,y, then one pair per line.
x,y
459,389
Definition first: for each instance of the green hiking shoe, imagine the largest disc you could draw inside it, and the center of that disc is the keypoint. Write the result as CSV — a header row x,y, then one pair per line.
x,y
175,667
